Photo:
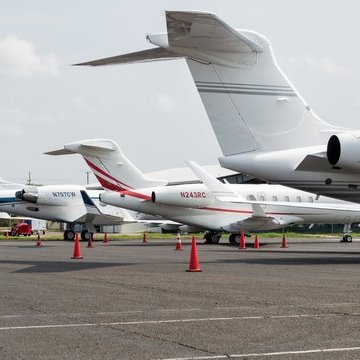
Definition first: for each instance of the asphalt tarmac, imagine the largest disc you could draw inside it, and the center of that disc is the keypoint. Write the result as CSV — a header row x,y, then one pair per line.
x,y
129,300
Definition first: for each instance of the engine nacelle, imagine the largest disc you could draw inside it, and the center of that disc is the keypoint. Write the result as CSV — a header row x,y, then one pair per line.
x,y
46,196
343,150
184,196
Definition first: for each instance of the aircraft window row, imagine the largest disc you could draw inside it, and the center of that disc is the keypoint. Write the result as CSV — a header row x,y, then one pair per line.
x,y
262,197
241,179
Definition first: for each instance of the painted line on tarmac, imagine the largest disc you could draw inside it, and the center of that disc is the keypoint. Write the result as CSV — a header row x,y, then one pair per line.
x,y
280,353
170,321
101,313
177,310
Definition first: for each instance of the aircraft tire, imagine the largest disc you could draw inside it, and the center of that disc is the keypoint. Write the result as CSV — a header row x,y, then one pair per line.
x,y
237,239
347,238
232,238
69,235
85,235
214,239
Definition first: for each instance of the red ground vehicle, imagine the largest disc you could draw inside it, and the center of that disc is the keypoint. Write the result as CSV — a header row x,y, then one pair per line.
x,y
21,229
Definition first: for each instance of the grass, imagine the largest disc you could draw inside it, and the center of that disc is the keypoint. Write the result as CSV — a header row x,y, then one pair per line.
x,y
97,237
49,236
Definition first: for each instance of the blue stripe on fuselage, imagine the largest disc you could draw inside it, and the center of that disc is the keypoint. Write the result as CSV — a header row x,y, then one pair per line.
x,y
7,200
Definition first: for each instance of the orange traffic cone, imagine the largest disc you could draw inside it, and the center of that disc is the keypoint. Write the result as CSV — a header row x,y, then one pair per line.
x,y
242,244
106,239
90,243
39,243
194,262
256,243
7,235
145,238
178,242
77,254
284,243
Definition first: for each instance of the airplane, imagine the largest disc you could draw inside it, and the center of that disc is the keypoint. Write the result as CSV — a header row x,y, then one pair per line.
x,y
263,125
204,207
72,204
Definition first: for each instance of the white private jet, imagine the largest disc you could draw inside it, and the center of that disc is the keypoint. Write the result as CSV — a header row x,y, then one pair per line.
x,y
204,207
263,125
72,204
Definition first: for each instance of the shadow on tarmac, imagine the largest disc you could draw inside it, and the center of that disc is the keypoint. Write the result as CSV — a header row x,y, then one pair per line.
x,y
58,266
314,260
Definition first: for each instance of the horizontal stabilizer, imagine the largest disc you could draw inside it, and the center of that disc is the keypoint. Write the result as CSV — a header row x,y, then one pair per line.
x,y
59,152
135,57
80,146
205,32
197,35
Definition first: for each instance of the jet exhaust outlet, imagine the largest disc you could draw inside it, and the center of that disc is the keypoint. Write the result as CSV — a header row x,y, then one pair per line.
x,y
333,150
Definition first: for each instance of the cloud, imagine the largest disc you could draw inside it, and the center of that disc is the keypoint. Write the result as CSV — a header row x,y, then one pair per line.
x,y
327,66
164,102
19,58
19,122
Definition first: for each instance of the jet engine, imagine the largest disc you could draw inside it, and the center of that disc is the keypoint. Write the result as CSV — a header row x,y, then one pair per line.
x,y
343,150
37,195
182,197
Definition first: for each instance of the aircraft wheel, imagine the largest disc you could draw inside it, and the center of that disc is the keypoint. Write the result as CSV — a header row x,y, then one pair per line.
x,y
212,238
85,235
237,239
215,238
69,235
232,238
348,238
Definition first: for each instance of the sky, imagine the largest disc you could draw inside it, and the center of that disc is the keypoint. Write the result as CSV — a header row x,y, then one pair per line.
x,y
152,110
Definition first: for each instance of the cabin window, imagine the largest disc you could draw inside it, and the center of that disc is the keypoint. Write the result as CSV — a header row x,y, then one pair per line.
x,y
261,197
311,199
298,199
274,198
287,198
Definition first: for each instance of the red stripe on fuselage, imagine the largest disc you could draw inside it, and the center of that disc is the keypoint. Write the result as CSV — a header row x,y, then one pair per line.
x,y
136,194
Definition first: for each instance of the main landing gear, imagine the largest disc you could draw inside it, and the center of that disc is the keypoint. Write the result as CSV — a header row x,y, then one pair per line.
x,y
69,235
347,230
85,235
346,238
212,237
235,238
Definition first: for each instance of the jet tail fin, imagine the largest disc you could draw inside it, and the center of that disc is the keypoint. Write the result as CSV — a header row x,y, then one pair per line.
x,y
108,163
251,104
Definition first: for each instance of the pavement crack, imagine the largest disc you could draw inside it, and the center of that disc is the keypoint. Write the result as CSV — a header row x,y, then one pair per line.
x,y
158,338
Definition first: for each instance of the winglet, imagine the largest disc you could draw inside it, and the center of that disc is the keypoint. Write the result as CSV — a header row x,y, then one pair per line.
x,y
213,184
